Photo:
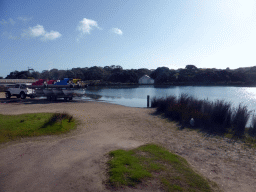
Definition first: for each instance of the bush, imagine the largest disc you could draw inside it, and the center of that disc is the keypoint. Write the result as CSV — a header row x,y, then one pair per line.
x,y
220,116
184,99
214,117
164,103
154,102
239,120
161,105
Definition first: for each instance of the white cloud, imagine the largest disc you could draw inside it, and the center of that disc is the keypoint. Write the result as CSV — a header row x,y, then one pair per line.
x,y
117,31
24,19
51,36
38,31
86,26
11,21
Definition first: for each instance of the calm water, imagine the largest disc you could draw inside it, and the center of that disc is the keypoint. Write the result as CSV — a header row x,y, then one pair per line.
x,y
137,96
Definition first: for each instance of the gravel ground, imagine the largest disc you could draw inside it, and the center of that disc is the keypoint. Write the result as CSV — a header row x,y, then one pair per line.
x,y
76,161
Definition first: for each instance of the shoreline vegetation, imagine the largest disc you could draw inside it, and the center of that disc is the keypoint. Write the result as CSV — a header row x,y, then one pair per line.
x,y
109,84
116,75
217,118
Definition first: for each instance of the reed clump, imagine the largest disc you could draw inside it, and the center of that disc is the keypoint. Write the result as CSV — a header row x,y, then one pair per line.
x,y
57,117
214,117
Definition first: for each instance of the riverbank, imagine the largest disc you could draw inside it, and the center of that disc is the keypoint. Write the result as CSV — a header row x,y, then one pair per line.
x,y
76,161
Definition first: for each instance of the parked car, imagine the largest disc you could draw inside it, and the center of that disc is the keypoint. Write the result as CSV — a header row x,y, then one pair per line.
x,y
20,91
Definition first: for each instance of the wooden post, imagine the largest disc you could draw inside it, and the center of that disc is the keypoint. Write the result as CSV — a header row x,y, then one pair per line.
x,y
148,101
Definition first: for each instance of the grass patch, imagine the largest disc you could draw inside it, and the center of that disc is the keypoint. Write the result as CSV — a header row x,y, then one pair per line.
x,y
14,127
152,162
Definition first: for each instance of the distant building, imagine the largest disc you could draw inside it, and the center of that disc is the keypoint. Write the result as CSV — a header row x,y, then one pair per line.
x,y
145,79
191,67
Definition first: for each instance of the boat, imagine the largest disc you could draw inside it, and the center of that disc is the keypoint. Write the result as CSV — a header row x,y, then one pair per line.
x,y
57,91
79,92
39,91
48,92
68,91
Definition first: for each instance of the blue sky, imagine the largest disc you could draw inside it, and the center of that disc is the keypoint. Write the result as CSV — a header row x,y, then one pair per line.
x,y
133,34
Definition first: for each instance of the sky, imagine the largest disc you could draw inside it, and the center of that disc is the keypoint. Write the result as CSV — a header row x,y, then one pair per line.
x,y
133,34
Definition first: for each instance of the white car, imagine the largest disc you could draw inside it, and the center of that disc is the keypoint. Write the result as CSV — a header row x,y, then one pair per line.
x,y
20,91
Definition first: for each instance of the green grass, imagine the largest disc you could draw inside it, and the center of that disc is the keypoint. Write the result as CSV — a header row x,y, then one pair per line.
x,y
152,162
13,127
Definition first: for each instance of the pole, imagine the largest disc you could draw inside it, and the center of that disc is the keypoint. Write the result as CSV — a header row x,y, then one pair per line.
x,y
148,101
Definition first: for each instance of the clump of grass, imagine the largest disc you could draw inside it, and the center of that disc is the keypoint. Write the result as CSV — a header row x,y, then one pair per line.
x,y
154,102
161,105
240,118
214,117
152,162
28,125
57,117
220,116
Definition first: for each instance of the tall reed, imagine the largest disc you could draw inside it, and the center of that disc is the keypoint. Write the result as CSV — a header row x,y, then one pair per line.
x,y
216,117
220,116
239,120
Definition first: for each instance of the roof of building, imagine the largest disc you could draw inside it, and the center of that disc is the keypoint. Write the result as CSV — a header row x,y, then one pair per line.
x,y
145,76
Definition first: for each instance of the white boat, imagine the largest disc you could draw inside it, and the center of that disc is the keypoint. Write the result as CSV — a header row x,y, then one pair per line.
x,y
48,92
79,92
57,91
67,91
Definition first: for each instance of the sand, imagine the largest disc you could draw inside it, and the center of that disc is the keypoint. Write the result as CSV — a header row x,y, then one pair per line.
x,y
77,161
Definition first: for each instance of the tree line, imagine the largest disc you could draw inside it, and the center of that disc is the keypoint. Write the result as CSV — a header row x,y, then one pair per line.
x,y
162,75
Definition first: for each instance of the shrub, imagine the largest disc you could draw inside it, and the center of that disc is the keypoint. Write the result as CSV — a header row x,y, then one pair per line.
x,y
196,108
161,105
164,103
171,100
239,120
220,116
173,111
196,104
210,116
184,99
154,102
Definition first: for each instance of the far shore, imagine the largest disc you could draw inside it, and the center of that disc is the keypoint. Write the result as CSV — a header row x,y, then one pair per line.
x,y
111,84
172,84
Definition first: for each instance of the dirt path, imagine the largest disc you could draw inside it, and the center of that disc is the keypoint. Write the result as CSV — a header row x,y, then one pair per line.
x,y
76,161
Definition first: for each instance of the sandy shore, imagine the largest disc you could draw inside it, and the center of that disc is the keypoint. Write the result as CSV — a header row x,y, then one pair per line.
x,y
76,161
